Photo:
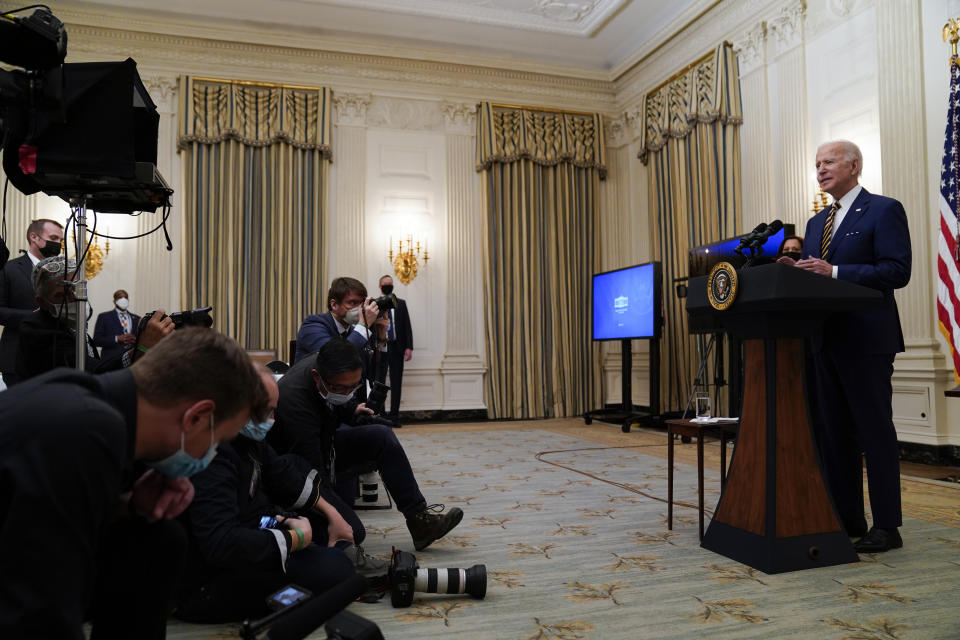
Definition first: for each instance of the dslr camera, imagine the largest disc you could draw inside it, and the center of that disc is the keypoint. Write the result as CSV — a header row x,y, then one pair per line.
x,y
385,303
405,577
193,318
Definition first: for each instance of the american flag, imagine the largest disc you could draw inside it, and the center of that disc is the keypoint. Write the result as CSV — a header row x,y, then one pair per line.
x,y
948,258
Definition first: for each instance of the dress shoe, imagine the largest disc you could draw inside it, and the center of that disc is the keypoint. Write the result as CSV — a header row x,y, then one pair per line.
x,y
855,528
878,540
394,420
429,525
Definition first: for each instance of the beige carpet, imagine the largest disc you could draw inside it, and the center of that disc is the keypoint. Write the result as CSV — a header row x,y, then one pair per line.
x,y
570,522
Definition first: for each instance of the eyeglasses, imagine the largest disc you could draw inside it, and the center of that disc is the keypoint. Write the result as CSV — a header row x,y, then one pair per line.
x,y
340,389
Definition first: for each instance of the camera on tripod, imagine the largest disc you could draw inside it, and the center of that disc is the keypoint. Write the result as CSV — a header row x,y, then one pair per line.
x,y
405,577
192,318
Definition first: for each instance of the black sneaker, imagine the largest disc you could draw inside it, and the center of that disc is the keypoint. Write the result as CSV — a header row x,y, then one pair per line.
x,y
430,524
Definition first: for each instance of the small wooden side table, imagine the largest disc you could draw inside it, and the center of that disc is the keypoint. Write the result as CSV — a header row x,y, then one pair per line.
x,y
698,430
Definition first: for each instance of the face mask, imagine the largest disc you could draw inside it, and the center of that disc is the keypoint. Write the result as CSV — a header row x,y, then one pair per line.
x,y
50,249
387,289
122,304
335,399
796,255
257,430
352,317
181,464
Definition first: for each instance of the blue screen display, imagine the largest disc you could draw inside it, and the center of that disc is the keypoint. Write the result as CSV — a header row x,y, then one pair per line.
x,y
624,303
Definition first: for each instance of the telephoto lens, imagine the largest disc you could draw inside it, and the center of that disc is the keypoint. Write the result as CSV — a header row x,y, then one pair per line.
x,y
368,487
406,577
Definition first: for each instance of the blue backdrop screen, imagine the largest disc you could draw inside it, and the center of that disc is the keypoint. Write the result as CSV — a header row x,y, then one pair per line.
x,y
625,303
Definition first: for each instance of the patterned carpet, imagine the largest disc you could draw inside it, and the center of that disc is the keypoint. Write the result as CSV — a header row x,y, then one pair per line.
x,y
570,522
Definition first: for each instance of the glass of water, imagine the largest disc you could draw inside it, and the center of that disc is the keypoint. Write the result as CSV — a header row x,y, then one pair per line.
x,y
703,406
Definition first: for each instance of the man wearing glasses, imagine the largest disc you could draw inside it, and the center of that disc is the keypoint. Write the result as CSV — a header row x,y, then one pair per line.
x,y
316,417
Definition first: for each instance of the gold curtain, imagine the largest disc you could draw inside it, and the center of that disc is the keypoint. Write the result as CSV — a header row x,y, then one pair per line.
x,y
691,148
541,182
255,172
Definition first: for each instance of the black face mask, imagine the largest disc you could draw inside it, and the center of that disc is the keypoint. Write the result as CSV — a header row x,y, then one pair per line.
x,y
387,289
796,255
50,249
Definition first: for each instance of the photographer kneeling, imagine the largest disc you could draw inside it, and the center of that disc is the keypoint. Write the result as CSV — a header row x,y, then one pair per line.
x,y
260,521
316,418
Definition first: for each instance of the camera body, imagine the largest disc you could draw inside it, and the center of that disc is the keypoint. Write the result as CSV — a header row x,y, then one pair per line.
x,y
402,576
377,396
405,577
387,302
192,318
291,595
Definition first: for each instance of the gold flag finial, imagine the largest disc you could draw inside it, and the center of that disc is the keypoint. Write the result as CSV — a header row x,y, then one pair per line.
x,y
951,33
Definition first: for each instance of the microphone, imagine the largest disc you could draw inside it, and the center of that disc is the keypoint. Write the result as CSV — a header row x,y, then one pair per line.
x,y
746,240
772,229
308,617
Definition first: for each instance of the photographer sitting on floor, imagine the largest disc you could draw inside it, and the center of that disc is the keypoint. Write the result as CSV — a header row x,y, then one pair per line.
x,y
243,547
70,548
316,418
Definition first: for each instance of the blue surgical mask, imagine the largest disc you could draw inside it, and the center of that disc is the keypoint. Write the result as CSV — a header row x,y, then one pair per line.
x,y
181,464
257,430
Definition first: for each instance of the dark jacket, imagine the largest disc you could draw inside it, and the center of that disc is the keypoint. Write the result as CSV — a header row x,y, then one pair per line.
x,y
871,248
17,302
107,329
305,423
66,453
245,481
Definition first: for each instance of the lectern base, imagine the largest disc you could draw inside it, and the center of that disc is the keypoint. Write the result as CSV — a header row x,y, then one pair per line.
x,y
779,555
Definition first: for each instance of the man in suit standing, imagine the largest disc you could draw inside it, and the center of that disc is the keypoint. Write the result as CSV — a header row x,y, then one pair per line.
x,y
17,298
399,348
862,238
115,331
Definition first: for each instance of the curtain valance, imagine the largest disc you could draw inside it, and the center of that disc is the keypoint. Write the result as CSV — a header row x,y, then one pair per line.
x,y
506,134
707,92
256,115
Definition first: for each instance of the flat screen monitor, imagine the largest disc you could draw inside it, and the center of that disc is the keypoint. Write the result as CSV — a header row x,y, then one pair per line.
x,y
703,258
626,303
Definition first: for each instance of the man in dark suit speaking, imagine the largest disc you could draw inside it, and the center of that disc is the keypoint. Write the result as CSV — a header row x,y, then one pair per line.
x,y
115,331
17,299
399,348
862,238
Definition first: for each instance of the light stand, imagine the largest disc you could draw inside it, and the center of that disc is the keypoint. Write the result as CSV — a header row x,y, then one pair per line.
x,y
80,279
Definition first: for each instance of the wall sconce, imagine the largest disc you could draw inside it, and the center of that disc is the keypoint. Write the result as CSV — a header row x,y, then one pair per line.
x,y
405,262
93,262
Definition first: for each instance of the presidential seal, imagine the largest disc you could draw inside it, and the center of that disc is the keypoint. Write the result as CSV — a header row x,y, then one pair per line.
x,y
722,286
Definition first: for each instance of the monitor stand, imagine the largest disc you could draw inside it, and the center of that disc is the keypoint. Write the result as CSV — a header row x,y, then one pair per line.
x,y
627,414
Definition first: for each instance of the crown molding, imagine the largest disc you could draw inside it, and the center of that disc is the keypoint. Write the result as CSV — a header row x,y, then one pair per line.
x,y
276,37
165,54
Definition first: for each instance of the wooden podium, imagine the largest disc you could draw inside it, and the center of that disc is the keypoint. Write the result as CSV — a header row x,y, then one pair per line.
x,y
775,514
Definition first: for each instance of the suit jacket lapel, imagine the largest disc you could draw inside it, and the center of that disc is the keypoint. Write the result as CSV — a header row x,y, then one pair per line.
x,y
850,220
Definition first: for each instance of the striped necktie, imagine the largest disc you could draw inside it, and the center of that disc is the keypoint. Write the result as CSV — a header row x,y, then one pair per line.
x,y
828,229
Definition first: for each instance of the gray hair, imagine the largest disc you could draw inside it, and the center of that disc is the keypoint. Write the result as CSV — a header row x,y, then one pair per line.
x,y
851,152
50,269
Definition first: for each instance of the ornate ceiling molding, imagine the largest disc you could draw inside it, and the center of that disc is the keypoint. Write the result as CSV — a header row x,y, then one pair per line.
x,y
162,53
568,17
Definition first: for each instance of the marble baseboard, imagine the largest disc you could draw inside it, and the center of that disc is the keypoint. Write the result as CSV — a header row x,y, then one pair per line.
x,y
946,455
441,415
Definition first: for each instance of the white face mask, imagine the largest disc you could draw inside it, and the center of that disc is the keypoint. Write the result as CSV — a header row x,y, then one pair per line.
x,y
122,304
352,317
